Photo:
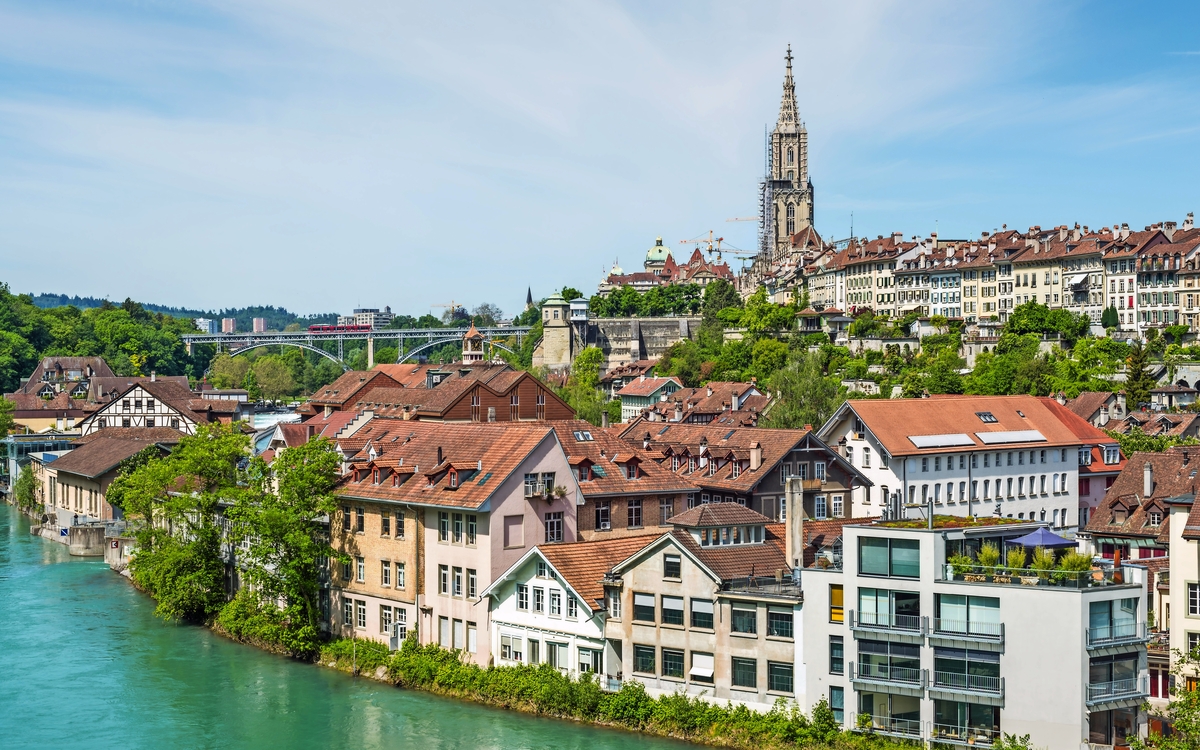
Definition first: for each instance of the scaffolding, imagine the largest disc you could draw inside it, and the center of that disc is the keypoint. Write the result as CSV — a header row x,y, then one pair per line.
x,y
766,203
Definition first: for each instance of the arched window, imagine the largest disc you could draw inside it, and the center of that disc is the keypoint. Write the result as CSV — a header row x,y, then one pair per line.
x,y
791,219
791,156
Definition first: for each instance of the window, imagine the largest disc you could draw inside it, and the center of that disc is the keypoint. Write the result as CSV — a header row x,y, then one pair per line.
x,y
643,607
347,571
458,528
614,604
359,519
458,581
443,526
836,611
672,566
819,470
672,663
360,570
399,524
534,648
385,524
837,703
779,677
956,613
672,610
1193,590
572,607
347,611
522,596
360,612
745,619
443,579
603,522
702,614
400,575
472,583
889,557
385,567
745,672
472,638
555,604
779,622
666,509
643,659
837,506
149,421
385,619
702,667
837,655
899,610
510,647
819,508
472,528
539,599
634,514
554,527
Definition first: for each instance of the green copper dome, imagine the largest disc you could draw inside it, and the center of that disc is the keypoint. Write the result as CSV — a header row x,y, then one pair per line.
x,y
659,253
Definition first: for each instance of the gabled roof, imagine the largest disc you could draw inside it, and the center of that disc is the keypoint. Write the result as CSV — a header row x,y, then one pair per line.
x,y
1088,403
647,386
718,514
164,435
57,367
100,456
601,450
346,389
1173,474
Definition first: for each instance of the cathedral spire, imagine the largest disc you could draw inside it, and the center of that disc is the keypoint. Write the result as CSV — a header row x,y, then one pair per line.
x,y
789,113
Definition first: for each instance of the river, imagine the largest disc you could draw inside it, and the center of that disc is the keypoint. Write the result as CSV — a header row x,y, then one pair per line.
x,y
85,664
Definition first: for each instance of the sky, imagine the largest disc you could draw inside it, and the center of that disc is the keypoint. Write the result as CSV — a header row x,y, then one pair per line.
x,y
323,156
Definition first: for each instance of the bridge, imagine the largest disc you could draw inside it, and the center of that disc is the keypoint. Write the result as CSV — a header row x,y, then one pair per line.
x,y
416,339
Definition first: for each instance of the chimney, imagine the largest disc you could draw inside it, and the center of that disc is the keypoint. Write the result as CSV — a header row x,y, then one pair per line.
x,y
1190,221
1124,231
153,376
1062,233
897,238
755,456
933,240
1168,229
1061,398
604,419
678,413
491,414
710,391
733,402
1147,480
646,442
643,377
794,520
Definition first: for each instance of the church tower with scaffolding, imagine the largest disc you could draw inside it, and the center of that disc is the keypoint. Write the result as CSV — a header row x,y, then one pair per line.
x,y
786,204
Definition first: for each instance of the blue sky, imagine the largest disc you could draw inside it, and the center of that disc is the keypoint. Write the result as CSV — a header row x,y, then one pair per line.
x,y
323,156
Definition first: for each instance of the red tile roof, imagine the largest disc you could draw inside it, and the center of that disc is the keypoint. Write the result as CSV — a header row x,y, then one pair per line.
x,y
584,564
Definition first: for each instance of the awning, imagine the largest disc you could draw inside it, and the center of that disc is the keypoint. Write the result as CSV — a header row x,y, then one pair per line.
x,y
698,672
1076,279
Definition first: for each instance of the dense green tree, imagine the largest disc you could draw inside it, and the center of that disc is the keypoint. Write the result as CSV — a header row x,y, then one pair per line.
x,y
767,356
1033,317
273,377
585,370
172,503
1138,380
250,383
6,417
287,533
719,294
1109,318
805,395
1137,441
25,489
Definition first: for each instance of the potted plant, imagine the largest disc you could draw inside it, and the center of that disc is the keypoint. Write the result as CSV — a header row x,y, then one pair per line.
x,y
989,558
1072,569
1042,563
560,492
960,565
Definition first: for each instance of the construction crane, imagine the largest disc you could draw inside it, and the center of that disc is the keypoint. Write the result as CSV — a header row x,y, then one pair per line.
x,y
451,307
706,240
743,218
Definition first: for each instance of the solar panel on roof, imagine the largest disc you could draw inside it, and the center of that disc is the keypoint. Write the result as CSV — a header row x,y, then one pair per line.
x,y
1011,436
947,440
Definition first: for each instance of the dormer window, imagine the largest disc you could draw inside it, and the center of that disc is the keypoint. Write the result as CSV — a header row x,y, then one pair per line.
x,y
375,477
631,470
712,467
1085,456
453,479
1154,518
691,463
674,463
1112,454
1119,515
737,469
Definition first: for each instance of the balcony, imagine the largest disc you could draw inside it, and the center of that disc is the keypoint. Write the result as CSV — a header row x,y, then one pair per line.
x,y
887,674
969,683
907,728
950,734
1069,579
784,587
989,632
1118,634
885,621
1133,688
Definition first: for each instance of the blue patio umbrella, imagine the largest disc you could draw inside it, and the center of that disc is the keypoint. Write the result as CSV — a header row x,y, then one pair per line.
x,y
1042,538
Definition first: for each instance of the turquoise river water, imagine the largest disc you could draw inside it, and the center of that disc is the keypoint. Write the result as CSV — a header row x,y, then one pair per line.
x,y
85,664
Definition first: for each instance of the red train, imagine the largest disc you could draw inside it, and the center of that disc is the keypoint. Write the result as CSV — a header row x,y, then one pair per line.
x,y
338,329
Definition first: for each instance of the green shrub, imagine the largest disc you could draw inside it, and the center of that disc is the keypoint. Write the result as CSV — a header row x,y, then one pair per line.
x,y
989,555
1043,561
961,564
1015,559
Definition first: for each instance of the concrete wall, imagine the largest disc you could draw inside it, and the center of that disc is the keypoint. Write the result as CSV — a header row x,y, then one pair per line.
x,y
86,541
623,340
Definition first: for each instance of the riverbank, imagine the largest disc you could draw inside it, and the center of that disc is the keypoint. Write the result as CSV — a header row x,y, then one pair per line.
x,y
87,665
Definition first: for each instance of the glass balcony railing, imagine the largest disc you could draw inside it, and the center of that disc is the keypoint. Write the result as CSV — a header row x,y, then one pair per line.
x,y
888,725
888,673
885,621
973,736
973,629
1117,633
974,682
1101,692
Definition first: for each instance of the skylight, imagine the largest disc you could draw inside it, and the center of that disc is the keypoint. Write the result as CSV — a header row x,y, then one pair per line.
x,y
986,417
582,436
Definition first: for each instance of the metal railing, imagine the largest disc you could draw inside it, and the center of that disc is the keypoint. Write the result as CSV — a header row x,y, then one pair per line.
x,y
976,682
885,621
1072,579
887,673
769,585
892,725
974,736
1133,687
974,629
1121,632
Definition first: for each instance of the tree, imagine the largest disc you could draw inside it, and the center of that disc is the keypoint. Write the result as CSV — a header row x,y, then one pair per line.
x,y
585,370
1138,381
486,315
1176,333
227,371
804,395
25,489
7,423
172,503
250,383
1109,318
1137,441
569,293
287,536
718,295
273,377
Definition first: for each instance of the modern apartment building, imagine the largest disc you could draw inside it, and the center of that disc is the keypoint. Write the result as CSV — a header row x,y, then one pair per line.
x,y
902,642
1012,456
367,316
